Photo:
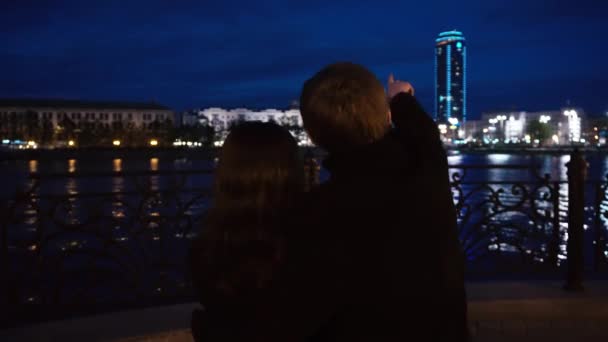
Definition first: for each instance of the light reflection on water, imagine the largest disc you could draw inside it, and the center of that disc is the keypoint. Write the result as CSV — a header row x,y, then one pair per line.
x,y
117,165
33,166
118,184
154,180
72,165
153,164
499,158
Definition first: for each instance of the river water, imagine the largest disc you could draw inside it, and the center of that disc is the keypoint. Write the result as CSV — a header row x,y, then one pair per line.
x,y
14,173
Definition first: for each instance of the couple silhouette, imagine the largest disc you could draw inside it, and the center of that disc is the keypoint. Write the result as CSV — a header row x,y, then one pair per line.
x,y
372,254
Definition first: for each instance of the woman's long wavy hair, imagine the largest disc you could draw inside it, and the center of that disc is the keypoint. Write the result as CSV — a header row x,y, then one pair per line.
x,y
257,183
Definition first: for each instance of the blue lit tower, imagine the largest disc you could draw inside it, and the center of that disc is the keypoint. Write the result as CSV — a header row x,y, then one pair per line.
x,y
450,78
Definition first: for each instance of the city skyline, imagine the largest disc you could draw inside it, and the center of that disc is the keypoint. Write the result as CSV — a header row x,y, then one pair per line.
x,y
527,56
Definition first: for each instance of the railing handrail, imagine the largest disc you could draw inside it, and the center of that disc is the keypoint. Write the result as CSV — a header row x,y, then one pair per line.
x,y
495,166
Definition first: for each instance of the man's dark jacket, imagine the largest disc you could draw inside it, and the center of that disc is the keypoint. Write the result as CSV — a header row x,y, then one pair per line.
x,y
374,255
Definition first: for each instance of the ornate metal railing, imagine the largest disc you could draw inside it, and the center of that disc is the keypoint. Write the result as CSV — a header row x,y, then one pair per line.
x,y
80,252
538,228
514,226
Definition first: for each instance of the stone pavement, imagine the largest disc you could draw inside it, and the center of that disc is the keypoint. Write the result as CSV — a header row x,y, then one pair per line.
x,y
498,311
539,311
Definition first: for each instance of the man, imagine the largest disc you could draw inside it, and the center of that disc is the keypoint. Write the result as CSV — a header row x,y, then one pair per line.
x,y
380,251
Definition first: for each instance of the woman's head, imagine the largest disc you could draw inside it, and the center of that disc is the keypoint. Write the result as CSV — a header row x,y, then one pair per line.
x,y
259,170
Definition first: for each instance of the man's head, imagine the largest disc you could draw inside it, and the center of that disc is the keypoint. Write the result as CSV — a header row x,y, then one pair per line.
x,y
344,106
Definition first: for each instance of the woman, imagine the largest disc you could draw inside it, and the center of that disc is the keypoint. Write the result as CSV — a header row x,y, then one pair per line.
x,y
258,180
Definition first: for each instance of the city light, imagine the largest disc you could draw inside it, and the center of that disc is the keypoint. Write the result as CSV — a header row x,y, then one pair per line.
x,y
71,143
453,121
514,129
544,119
555,139
116,142
574,126
187,143
443,128
153,142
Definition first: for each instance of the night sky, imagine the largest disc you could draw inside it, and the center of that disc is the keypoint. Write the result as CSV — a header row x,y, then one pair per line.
x,y
526,55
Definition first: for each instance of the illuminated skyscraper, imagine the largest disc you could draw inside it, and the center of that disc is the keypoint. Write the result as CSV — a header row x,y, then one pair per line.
x,y
450,78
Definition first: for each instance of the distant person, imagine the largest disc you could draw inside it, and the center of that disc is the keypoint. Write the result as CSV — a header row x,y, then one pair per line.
x,y
258,181
376,255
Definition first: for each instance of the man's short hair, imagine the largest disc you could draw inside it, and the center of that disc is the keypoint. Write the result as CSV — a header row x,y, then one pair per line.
x,y
343,106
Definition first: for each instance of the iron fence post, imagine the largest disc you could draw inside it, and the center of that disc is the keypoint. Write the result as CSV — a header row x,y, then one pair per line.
x,y
577,170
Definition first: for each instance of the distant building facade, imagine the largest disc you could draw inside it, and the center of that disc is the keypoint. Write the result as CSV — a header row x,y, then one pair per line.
x,y
451,78
566,126
222,119
17,115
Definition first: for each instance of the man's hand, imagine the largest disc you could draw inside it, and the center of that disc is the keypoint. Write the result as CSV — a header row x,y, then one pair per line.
x,y
396,87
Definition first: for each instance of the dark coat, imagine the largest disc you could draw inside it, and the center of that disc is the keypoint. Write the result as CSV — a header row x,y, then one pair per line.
x,y
374,253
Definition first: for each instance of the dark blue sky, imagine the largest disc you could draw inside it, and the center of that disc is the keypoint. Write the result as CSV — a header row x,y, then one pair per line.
x,y
521,54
